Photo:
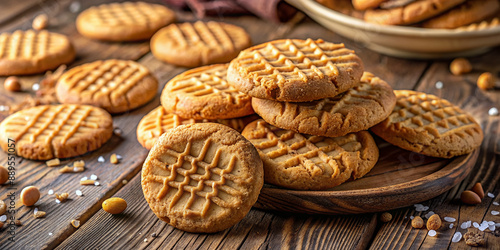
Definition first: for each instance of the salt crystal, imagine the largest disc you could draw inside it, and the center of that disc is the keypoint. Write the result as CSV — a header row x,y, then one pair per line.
x,y
96,183
449,219
35,210
418,205
58,201
464,225
51,192
84,178
495,203
93,177
491,195
432,233
439,85
4,108
101,159
412,217
469,223
35,87
495,212
451,225
491,227
491,223
3,218
78,192
50,234
497,224
75,7
145,239
429,214
119,157
456,237
482,228
493,111
475,224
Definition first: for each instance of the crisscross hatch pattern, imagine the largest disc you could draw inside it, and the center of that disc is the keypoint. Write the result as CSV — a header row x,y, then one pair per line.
x,y
197,180
104,78
207,82
128,13
314,154
424,112
29,44
296,60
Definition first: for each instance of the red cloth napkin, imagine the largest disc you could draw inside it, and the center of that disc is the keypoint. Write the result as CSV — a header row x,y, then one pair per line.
x,y
273,10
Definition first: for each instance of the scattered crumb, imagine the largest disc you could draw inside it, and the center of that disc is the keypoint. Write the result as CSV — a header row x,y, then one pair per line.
x,y
385,217
87,182
18,223
474,238
40,22
53,163
39,214
75,223
113,159
417,222
62,197
124,181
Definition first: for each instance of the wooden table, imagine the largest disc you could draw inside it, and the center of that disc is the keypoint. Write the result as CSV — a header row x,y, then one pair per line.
x,y
134,229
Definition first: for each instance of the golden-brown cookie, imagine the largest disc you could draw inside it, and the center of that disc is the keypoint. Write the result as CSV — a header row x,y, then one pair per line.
x,y
114,85
202,177
159,121
411,13
366,4
295,70
203,93
469,12
199,43
429,125
128,21
31,52
354,110
56,131
307,162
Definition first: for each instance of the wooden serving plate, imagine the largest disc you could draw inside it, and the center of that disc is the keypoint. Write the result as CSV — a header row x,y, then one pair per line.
x,y
400,178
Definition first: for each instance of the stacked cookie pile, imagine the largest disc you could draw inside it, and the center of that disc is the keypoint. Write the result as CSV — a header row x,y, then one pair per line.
x,y
316,104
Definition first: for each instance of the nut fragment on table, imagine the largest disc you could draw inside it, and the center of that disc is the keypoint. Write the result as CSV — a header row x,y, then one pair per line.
x,y
460,66
62,197
40,22
53,162
434,222
113,159
417,222
4,175
114,205
385,217
474,238
486,81
478,189
3,207
87,182
12,83
469,197
39,214
30,195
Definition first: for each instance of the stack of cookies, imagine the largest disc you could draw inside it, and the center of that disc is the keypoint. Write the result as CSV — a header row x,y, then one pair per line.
x,y
316,103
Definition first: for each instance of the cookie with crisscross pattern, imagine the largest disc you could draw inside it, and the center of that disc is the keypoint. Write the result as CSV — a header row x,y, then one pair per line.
x,y
203,93
307,162
429,125
128,21
31,52
114,85
357,109
295,70
199,43
159,121
56,131
202,177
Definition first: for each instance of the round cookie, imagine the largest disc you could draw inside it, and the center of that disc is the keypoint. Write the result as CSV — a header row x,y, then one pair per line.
x,y
159,121
429,125
199,43
31,52
56,131
202,177
307,162
354,110
366,4
410,13
295,70
203,93
114,85
128,21
464,14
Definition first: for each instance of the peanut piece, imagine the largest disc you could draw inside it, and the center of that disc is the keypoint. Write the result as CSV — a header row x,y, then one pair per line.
x,y
18,223
113,159
75,223
79,164
486,81
30,195
434,222
114,205
62,197
385,217
417,222
40,22
478,189
87,182
4,175
12,84
460,66
469,197
39,214
3,207
53,162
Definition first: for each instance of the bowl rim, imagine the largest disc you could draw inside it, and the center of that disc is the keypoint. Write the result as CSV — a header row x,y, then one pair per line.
x,y
359,24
